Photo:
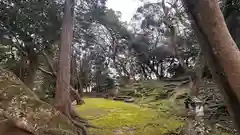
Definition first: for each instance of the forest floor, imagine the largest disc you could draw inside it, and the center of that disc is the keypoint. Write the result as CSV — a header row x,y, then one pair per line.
x,y
119,118
158,110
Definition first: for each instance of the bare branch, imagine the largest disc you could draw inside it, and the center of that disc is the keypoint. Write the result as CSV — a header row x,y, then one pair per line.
x,y
46,72
49,63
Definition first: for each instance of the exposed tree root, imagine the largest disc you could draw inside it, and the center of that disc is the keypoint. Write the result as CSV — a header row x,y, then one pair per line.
x,y
80,123
82,129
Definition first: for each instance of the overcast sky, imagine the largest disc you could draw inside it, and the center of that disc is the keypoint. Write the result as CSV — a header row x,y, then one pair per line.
x,y
126,7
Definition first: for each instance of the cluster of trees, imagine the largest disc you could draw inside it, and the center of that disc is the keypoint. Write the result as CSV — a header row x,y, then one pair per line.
x,y
59,48
102,47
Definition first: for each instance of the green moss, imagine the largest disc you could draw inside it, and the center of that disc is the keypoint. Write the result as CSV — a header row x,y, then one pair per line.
x,y
122,118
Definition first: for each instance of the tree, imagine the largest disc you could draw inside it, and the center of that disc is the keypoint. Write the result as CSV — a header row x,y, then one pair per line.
x,y
219,49
63,76
33,28
62,94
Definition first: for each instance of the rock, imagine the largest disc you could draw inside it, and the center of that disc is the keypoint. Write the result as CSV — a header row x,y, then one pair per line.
x,y
121,98
129,100
118,132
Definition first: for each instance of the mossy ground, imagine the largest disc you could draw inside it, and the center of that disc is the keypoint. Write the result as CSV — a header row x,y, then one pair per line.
x,y
149,115
119,118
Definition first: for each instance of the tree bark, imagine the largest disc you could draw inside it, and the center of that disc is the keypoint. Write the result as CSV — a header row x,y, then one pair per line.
x,y
62,95
21,67
32,69
219,49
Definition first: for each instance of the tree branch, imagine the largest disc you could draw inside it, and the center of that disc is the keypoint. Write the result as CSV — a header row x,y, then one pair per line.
x,y
49,63
46,72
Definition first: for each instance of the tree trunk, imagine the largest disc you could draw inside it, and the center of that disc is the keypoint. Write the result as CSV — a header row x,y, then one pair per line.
x,y
75,96
32,69
73,71
151,66
219,49
196,76
27,68
144,71
161,69
21,68
62,95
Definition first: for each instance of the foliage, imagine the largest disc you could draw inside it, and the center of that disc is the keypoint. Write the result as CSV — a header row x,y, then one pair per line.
x,y
109,83
101,40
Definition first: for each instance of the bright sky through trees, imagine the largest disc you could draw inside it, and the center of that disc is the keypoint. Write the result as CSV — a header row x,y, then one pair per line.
x,y
126,7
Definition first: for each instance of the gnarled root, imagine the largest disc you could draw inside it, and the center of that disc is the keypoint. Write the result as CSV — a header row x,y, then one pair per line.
x,y
80,123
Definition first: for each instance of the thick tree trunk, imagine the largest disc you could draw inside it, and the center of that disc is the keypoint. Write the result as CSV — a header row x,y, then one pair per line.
x,y
219,49
62,95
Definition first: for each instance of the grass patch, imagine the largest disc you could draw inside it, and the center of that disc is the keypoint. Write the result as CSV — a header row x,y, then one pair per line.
x,y
119,118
